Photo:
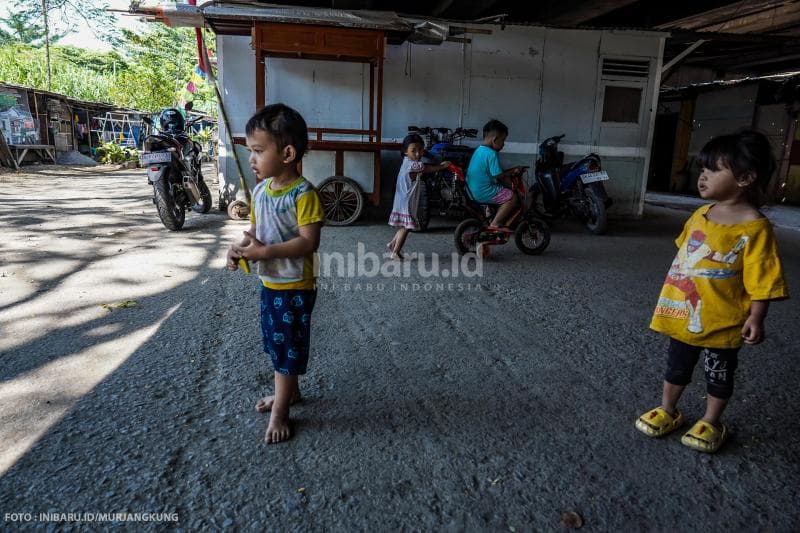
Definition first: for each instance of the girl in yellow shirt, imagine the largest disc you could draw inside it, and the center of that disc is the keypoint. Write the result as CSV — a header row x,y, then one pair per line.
x,y
719,286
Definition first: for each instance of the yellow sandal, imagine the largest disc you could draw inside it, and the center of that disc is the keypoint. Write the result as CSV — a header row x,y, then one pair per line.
x,y
705,437
657,422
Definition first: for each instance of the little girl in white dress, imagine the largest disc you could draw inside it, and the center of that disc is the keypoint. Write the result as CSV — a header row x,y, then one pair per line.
x,y
407,192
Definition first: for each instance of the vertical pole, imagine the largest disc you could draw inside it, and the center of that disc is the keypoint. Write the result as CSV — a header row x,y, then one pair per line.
x,y
376,190
46,42
776,191
261,59
380,90
371,100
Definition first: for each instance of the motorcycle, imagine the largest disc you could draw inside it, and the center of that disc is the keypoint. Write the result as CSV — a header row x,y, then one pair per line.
x,y
531,234
173,169
573,188
440,193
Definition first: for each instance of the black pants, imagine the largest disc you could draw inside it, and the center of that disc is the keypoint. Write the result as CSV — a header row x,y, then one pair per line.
x,y
719,364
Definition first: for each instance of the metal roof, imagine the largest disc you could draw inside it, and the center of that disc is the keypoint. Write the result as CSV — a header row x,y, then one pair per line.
x,y
744,37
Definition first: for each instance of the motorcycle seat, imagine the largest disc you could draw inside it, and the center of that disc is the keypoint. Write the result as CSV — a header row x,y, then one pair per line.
x,y
567,167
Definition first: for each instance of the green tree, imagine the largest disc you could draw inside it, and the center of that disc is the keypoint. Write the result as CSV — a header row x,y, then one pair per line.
x,y
24,27
62,14
166,58
51,11
147,72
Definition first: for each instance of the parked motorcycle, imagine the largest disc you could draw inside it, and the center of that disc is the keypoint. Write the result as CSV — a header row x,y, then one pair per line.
x,y
440,194
575,188
173,169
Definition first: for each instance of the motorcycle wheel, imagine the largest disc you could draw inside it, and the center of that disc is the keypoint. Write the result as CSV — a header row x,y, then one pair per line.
x,y
466,236
596,219
171,214
342,200
204,205
424,210
532,236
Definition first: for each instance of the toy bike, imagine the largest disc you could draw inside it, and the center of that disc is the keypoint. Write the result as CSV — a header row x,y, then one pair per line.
x,y
531,233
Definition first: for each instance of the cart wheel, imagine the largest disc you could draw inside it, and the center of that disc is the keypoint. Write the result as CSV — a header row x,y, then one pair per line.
x,y
238,210
342,200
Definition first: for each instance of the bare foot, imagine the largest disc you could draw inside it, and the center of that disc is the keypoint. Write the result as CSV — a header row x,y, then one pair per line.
x,y
279,429
396,256
264,405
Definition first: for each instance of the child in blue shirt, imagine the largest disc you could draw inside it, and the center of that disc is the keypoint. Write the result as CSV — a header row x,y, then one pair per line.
x,y
484,174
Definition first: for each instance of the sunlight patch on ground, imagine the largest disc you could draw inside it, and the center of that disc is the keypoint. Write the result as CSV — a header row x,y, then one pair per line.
x,y
135,276
31,405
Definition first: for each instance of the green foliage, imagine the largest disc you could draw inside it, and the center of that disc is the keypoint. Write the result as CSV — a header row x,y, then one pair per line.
x,y
25,65
24,27
148,73
61,18
203,136
168,57
99,62
110,153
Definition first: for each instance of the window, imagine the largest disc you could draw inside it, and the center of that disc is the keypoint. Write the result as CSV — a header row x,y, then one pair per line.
x,y
621,104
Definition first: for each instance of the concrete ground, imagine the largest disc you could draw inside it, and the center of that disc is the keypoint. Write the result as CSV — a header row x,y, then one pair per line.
x,y
131,361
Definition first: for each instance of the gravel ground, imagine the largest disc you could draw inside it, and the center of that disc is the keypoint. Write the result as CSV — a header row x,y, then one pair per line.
x,y
131,362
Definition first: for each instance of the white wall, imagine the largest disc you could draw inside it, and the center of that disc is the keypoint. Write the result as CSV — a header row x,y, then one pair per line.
x,y
237,82
540,82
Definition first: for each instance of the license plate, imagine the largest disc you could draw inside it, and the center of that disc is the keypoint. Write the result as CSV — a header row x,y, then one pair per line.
x,y
591,177
155,157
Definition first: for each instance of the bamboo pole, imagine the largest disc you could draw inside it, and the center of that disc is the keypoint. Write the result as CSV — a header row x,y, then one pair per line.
x,y
46,42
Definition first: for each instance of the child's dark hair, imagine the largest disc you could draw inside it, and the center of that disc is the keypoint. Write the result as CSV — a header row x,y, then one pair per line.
x,y
496,127
285,124
412,138
745,152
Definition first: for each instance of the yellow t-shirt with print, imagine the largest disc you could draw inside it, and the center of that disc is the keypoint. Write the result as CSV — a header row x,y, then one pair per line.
x,y
278,215
718,271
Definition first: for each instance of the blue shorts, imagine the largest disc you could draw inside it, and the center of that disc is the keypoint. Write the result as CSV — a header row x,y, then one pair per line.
x,y
286,327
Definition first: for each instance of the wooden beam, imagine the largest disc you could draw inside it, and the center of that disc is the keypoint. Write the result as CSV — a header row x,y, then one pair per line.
x,y
680,56
773,19
6,157
458,30
719,19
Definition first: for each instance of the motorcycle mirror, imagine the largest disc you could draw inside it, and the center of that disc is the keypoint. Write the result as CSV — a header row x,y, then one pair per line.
x,y
413,128
147,120
472,132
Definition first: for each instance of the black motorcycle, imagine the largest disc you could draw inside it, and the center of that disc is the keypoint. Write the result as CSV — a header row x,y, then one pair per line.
x,y
573,188
173,169
440,194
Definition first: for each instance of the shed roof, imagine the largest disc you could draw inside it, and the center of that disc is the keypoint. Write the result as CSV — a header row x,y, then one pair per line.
x,y
745,36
